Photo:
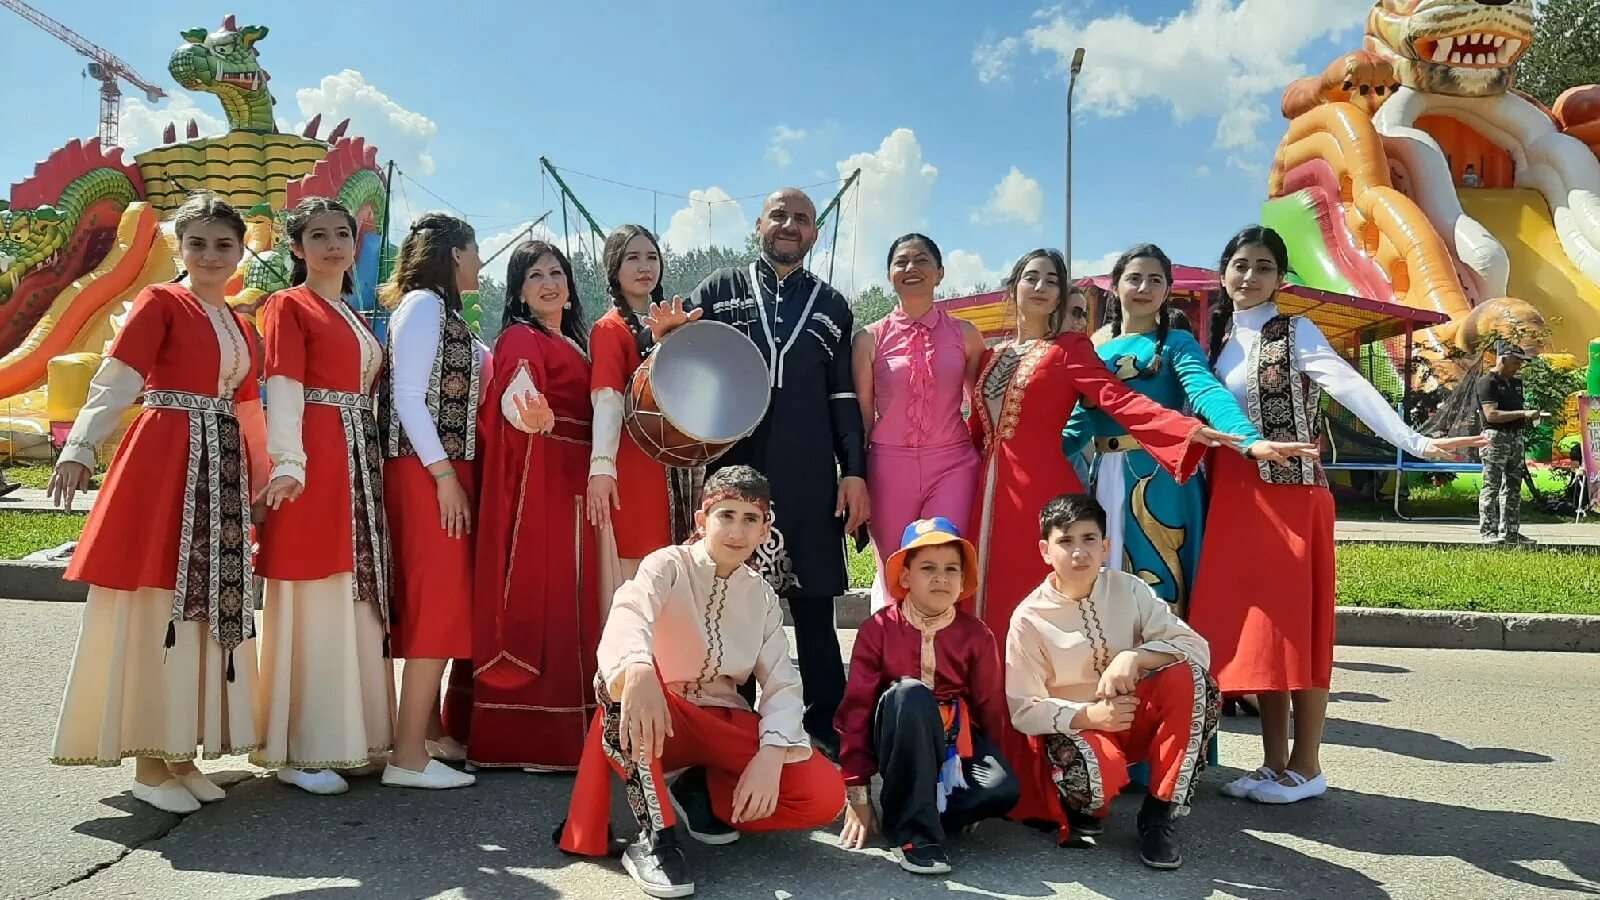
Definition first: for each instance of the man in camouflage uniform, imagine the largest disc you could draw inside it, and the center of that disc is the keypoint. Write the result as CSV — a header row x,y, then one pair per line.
x,y
1500,402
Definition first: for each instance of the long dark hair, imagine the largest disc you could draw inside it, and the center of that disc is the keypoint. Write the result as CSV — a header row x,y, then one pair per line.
x,y
1222,309
616,247
426,263
1057,315
517,310
295,225
1163,314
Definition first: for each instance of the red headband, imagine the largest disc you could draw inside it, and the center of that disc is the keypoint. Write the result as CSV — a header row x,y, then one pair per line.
x,y
732,493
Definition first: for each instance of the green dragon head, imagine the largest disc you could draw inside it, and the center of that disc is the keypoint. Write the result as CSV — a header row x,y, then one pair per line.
x,y
29,239
225,63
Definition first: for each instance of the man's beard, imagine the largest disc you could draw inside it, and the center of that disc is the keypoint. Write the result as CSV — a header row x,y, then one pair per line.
x,y
769,249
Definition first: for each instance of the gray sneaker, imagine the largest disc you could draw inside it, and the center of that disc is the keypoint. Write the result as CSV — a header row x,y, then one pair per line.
x,y
1521,539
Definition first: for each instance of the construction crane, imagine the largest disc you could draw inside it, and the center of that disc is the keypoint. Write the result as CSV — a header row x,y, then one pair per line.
x,y
103,67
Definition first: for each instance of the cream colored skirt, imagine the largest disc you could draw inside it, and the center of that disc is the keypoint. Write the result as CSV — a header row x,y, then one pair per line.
x,y
128,695
327,692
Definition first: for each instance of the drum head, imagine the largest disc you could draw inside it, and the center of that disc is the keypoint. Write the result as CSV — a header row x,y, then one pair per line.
x,y
710,382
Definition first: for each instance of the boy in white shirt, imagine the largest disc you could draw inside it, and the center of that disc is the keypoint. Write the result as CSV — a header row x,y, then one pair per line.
x,y
1102,674
683,634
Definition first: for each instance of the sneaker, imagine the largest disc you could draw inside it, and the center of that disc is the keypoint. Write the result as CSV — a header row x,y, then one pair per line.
x,y
434,776
319,781
1086,824
615,846
927,859
655,863
1299,788
1158,840
170,797
1242,786
1521,539
691,798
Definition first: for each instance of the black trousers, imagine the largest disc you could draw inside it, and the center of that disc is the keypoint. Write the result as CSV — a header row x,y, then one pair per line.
x,y
821,665
908,739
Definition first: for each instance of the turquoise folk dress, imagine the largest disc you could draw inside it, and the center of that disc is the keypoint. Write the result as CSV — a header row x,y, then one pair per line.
x,y
1154,523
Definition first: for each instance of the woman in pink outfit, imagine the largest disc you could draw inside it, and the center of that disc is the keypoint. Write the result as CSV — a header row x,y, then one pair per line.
x,y
912,368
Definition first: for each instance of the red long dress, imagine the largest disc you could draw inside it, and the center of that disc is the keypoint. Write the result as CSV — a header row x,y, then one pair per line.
x,y
644,523
1016,423
536,610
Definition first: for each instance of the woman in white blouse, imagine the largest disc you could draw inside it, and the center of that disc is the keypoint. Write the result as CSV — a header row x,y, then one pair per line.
x,y
427,419
1264,590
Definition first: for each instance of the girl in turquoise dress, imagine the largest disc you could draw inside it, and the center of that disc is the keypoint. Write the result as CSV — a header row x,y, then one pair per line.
x,y
1155,523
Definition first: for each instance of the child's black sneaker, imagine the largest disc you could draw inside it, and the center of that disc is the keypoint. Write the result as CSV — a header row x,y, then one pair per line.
x,y
656,864
1158,841
691,797
1085,824
926,859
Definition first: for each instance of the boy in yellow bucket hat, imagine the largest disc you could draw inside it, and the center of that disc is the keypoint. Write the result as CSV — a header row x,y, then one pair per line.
x,y
924,706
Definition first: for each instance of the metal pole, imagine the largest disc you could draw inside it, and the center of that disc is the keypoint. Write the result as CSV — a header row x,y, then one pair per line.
x,y
385,259
1072,84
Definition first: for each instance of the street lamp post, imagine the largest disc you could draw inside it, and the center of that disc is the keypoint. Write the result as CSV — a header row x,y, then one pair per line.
x,y
1072,83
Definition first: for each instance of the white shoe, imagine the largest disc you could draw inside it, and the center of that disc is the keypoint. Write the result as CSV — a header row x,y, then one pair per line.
x,y
447,749
170,797
320,781
371,768
203,789
435,776
1242,786
1276,792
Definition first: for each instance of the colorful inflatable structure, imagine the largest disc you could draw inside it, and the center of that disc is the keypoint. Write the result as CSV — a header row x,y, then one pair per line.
x,y
1413,173
83,234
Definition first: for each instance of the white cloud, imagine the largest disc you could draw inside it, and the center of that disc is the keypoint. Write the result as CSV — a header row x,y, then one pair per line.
x,y
993,60
1219,58
401,134
141,125
711,219
489,245
777,149
1017,198
1084,268
965,271
890,199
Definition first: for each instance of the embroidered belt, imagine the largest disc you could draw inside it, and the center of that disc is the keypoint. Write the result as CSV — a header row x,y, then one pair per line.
x,y
1122,443
344,399
187,402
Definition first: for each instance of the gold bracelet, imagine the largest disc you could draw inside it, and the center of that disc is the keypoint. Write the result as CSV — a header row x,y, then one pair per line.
x,y
608,459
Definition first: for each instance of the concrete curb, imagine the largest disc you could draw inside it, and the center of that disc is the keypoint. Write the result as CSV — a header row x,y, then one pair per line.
x,y
1357,626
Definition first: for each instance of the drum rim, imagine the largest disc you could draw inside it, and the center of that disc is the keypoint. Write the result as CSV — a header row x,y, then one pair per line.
x,y
766,405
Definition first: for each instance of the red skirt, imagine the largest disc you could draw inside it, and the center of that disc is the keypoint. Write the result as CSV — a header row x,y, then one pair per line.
x,y
1264,589
644,523
431,610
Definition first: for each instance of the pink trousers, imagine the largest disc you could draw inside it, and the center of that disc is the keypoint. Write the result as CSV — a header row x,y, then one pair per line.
x,y
911,483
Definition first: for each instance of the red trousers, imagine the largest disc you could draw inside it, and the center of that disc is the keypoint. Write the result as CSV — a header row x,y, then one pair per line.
x,y
723,741
1177,716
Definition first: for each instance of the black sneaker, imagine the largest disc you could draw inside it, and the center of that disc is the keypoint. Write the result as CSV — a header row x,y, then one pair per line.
x,y
1158,841
927,859
691,798
615,846
1086,824
655,862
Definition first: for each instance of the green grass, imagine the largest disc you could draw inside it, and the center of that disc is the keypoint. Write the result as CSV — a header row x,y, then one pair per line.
x,y
1457,498
36,475
22,533
1473,579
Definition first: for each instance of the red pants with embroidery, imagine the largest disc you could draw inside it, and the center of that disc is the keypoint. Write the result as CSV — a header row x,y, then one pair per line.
x,y
1177,715
723,741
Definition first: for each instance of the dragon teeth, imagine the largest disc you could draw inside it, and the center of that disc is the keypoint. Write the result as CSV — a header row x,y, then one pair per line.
x,y
1441,53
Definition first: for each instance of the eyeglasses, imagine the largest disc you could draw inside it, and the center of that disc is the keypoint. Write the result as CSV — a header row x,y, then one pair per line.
x,y
1082,315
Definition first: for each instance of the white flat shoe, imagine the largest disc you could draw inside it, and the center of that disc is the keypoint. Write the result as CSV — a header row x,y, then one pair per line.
x,y
203,789
371,768
1302,788
321,781
435,776
447,749
170,797
1242,786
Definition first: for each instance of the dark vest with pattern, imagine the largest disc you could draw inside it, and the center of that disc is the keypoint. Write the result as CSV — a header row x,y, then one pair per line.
x,y
1284,402
452,398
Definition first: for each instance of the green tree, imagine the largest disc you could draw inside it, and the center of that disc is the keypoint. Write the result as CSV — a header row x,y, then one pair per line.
x,y
872,304
1565,52
492,299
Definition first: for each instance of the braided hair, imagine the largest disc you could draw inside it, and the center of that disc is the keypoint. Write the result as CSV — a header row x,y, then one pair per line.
x,y
1222,309
615,249
1163,314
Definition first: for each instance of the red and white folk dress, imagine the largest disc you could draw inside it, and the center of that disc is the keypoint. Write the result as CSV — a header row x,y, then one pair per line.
x,y
327,684
166,658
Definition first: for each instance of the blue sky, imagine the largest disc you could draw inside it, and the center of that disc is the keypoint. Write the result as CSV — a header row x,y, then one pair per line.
x,y
954,109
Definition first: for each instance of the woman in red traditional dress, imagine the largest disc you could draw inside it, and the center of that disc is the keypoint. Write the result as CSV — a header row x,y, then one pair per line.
x,y
427,423
1027,387
1264,589
536,608
623,477
327,696
166,658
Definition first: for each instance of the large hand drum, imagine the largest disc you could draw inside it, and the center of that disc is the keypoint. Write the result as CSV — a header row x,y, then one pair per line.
x,y
703,389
